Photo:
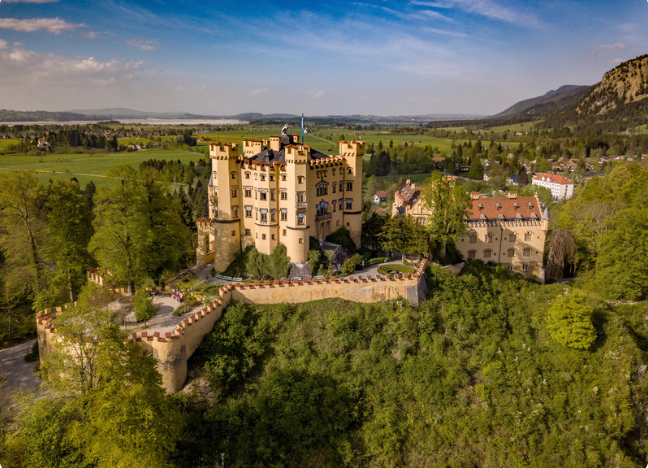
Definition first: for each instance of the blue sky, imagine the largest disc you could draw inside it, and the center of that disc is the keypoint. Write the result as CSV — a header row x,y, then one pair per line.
x,y
378,57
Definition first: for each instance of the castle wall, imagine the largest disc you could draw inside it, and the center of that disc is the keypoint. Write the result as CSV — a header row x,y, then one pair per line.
x,y
173,349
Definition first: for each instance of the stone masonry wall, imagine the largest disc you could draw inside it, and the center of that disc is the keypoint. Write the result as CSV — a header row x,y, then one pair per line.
x,y
173,349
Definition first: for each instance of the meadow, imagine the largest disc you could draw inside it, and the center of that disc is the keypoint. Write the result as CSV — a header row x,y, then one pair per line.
x,y
85,166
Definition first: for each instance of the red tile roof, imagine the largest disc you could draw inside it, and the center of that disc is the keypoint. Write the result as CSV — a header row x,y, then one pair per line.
x,y
555,178
382,194
408,193
488,207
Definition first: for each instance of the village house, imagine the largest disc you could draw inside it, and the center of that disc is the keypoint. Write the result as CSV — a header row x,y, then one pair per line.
x,y
279,191
561,187
380,197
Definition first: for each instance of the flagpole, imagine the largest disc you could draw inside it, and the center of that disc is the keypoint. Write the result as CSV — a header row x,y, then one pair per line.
x,y
302,129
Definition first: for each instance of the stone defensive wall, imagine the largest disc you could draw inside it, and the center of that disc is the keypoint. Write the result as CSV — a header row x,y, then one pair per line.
x,y
173,349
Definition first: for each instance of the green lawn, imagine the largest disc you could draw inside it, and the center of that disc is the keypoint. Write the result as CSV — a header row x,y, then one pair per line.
x,y
86,167
5,142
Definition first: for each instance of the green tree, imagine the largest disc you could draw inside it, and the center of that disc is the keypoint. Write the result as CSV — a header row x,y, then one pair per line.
x,y
403,234
621,267
476,170
69,229
447,203
143,306
570,321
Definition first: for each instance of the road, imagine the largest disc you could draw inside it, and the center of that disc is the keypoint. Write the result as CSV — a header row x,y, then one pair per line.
x,y
16,372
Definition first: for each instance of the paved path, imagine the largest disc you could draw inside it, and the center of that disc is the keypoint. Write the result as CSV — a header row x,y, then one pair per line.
x,y
17,373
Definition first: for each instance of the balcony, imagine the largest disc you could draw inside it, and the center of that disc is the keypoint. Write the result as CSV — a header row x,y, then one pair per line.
x,y
323,217
301,205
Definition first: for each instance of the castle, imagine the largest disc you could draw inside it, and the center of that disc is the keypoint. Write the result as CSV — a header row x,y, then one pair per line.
x,y
279,191
505,230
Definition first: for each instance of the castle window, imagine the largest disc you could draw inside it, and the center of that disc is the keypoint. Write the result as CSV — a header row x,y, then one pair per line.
x,y
488,238
334,203
263,237
233,233
263,194
340,203
322,208
510,268
283,232
421,221
349,203
283,177
300,219
233,175
264,216
215,212
511,252
272,196
235,212
526,252
525,268
284,195
350,171
528,236
273,237
473,237
512,237
333,171
271,177
301,240
247,175
300,179
472,253
262,177
248,211
215,191
349,186
284,215
300,197
322,189
248,192
273,215
234,193
488,253
340,186
334,187
247,232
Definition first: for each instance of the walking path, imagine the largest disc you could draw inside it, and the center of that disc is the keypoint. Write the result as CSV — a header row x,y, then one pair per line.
x,y
16,372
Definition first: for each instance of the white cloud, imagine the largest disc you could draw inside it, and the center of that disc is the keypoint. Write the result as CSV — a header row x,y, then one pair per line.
x,y
604,50
445,33
486,8
91,34
260,92
23,68
144,44
317,94
3,44
53,25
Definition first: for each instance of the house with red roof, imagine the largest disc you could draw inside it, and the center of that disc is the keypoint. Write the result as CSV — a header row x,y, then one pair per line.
x,y
561,187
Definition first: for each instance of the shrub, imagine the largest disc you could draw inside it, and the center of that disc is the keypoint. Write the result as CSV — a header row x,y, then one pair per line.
x,y
144,307
392,269
253,263
342,237
351,264
570,321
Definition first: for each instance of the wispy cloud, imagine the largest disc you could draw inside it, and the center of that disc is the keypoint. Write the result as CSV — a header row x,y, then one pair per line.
x,y
260,92
607,49
420,15
445,33
144,44
53,25
3,44
486,8
317,94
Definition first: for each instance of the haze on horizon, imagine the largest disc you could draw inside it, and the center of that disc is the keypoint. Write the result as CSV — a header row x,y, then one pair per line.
x,y
379,57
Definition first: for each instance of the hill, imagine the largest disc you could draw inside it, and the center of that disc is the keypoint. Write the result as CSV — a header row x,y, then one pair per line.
x,y
39,116
553,101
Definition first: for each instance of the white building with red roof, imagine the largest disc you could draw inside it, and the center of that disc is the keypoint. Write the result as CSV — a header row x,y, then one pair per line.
x,y
561,187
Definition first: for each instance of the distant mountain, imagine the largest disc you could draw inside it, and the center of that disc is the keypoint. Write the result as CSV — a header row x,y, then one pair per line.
x,y
113,112
39,116
553,101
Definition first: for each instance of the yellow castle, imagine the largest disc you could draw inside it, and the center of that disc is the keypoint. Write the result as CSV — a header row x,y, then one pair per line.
x,y
279,191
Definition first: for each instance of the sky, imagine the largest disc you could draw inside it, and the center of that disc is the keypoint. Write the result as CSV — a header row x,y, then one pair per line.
x,y
378,57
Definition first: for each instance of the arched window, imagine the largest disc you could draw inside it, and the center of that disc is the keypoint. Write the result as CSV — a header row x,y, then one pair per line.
x,y
511,252
472,253
473,237
488,238
528,236
247,175
512,237
488,253
233,175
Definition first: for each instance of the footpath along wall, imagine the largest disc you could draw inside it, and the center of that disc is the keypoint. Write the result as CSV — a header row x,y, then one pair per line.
x,y
173,349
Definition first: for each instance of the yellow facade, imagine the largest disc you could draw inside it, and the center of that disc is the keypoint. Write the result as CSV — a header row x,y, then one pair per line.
x,y
506,230
279,192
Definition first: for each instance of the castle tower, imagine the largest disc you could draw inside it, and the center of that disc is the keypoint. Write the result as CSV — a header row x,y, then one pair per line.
x,y
299,205
353,152
224,203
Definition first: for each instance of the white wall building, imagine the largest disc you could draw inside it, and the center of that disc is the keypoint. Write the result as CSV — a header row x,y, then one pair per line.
x,y
561,187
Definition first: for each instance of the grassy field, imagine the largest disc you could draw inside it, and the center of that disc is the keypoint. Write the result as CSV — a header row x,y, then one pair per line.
x,y
5,142
86,167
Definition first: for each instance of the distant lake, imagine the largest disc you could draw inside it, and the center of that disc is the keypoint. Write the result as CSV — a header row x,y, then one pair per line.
x,y
137,121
